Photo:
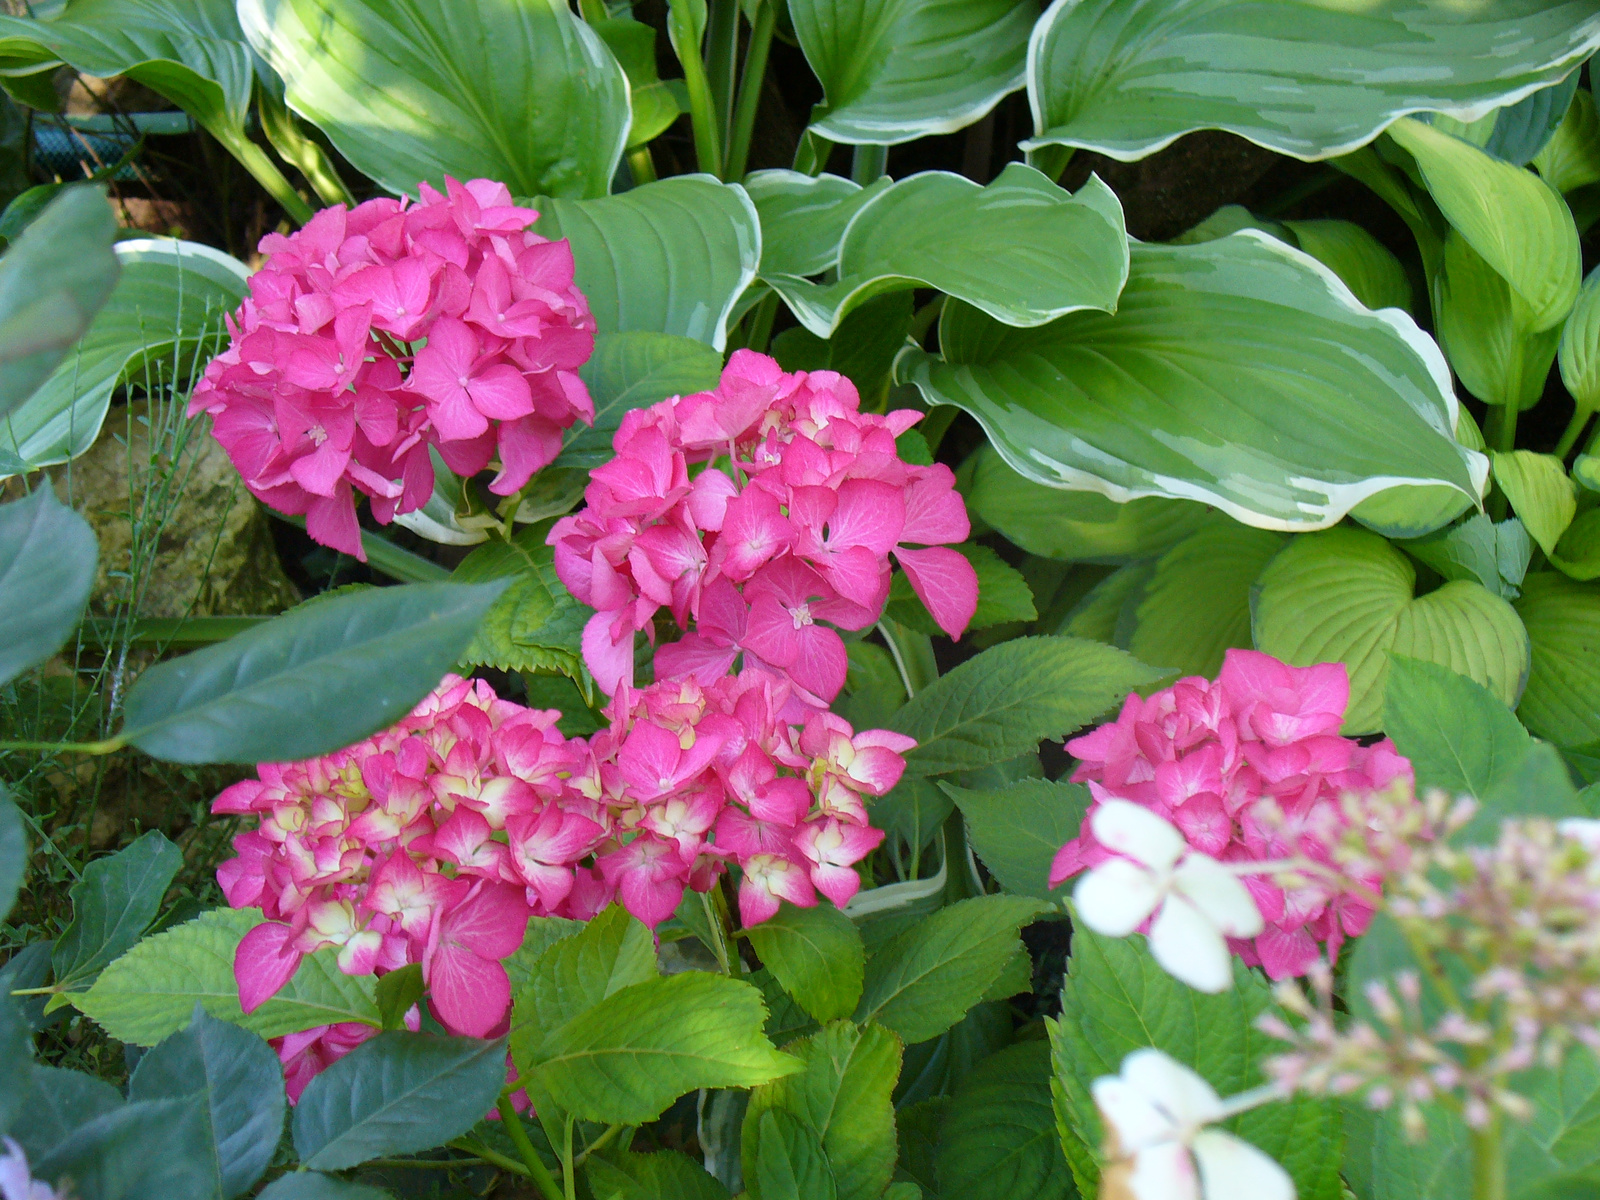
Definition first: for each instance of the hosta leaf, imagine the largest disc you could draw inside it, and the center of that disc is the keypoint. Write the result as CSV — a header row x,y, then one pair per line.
x,y
1348,596
1197,604
1516,221
1003,595
842,1095
816,954
1008,699
654,103
635,370
894,70
1580,343
1367,266
1230,373
1571,158
167,308
48,556
1519,131
1578,552
1017,830
669,257
112,903
1021,249
1562,700
1074,526
535,625
1117,1000
1308,80
803,218
924,980
150,992
1540,493
520,92
1486,330
998,1140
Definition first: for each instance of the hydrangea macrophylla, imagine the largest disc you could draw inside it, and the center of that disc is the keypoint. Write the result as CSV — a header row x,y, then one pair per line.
x,y
755,512
377,332
1249,768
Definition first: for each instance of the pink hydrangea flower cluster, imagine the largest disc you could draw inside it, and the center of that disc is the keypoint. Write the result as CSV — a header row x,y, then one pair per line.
x,y
1250,768
377,332
757,511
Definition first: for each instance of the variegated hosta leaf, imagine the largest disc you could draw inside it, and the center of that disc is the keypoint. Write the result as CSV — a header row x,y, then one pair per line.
x,y
1239,372
1310,79
1348,596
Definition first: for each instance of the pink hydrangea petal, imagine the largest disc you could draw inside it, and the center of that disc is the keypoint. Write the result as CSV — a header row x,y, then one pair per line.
x,y
945,582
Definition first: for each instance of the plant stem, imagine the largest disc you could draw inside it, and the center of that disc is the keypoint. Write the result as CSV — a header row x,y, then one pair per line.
x,y
1574,431
278,123
109,746
593,11
568,1175
868,164
254,159
750,85
641,165
604,1139
722,60
1488,1161
811,156
493,1157
537,1171
1050,160
702,105
761,323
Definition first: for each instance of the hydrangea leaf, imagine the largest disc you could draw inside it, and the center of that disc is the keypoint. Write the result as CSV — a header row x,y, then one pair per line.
x,y
789,1161
1495,555
1017,830
151,1148
113,902
1312,81
1347,596
13,853
1458,735
626,1175
998,1140
57,1101
314,1185
816,954
48,556
1562,699
535,625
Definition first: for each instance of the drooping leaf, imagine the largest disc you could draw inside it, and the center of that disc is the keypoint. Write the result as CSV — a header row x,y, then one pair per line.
x,y
154,1148
635,370
668,257
894,71
311,681
1021,249
803,218
150,992
58,1102
1118,1000
241,1081
112,903
1017,830
1521,130
522,93
1579,352
789,1162
662,1175
48,556
1458,735
816,954
396,1094
536,624
1008,699
1311,81
998,1140
1003,595
925,979
1562,699
53,280
1367,267
1346,595
1237,372
1540,493
842,1097
167,307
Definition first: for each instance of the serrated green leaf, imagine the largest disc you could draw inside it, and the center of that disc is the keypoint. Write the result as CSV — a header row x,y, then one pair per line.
x,y
923,980
873,689
1003,594
1562,699
1346,595
1005,701
58,1102
998,1140
112,904
1017,830
1459,736
48,556
1540,492
314,1185
536,624
661,1175
816,954
150,992
543,932
1495,555
842,1096
1367,267
790,1163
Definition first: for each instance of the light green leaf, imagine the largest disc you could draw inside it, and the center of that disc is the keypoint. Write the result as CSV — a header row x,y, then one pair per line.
x,y
1117,1000
1479,550
803,218
1347,596
1021,249
1008,699
924,980
1239,372
895,70
150,992
1003,595
1459,736
662,1175
634,370
117,897
52,282
1485,328
669,257
543,932
1197,604
313,680
1309,80
1367,267
1580,345
1017,830
654,103
48,556
1578,552
1540,492
1075,525
166,310
789,1161
816,954
1562,700
518,91
998,1140
1516,221
1571,159
625,1060
842,1096
1231,218
535,625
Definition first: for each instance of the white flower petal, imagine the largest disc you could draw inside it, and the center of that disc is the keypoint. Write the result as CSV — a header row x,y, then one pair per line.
x,y
1166,1172
1190,948
1179,1092
1128,828
1114,898
1231,1169
1219,894
1132,1119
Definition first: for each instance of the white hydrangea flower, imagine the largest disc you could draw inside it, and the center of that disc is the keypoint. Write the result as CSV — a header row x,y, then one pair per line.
x,y
1156,1116
1197,901
15,1181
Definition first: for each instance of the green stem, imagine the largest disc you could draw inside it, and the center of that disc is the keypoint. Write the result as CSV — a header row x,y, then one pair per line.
x,y
254,159
537,1171
109,746
761,323
722,61
594,11
750,85
1050,161
1506,434
1573,432
937,423
169,633
868,164
286,136
599,1142
811,156
474,1147
1488,1161
641,165
568,1175
702,105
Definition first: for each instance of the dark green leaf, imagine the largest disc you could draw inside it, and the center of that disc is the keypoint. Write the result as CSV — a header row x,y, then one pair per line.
x,y
313,1185
239,1079
57,1102
663,1175
48,556
308,682
816,954
1521,130
998,1141
397,1094
536,625
1495,555
136,1152
1458,735
873,689
1017,830
1003,595
111,906
13,852
16,1056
